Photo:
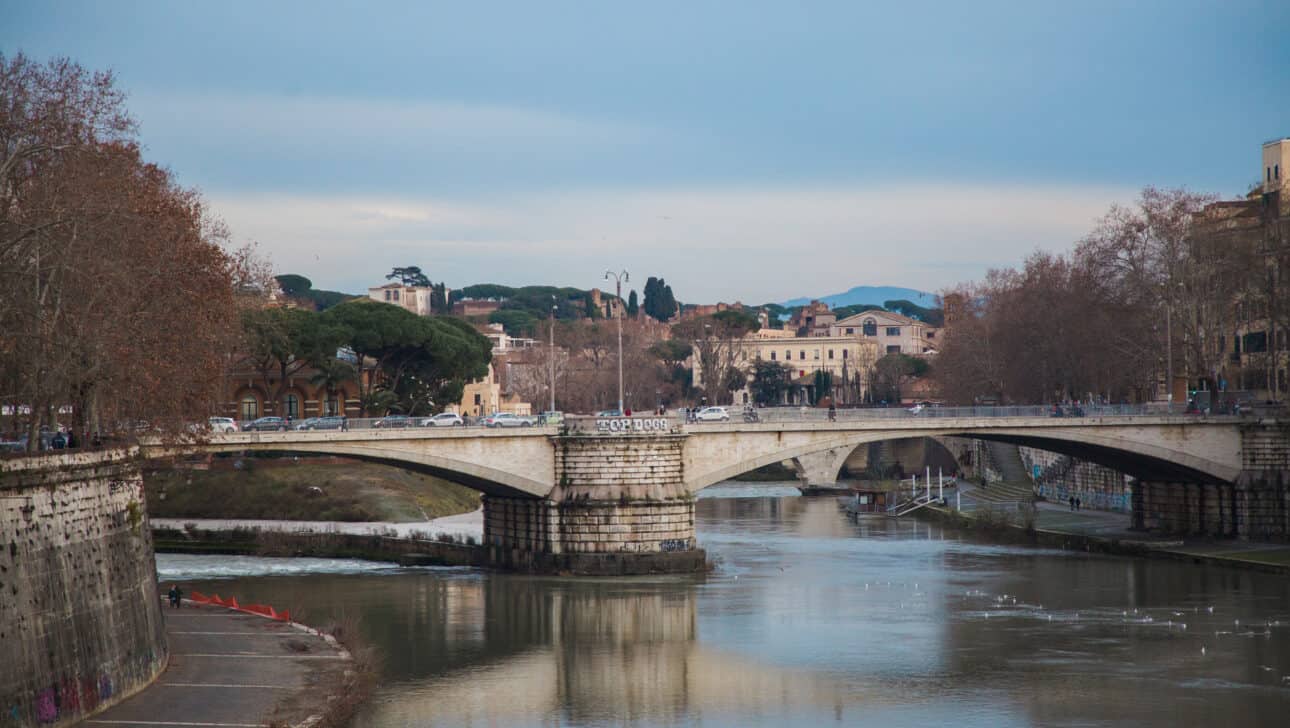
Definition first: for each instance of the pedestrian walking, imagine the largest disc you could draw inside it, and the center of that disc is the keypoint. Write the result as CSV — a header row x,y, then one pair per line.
x,y
1072,502
1078,505
833,412
344,423
176,596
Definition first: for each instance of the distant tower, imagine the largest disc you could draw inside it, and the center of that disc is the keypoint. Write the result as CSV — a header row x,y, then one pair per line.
x,y
1276,161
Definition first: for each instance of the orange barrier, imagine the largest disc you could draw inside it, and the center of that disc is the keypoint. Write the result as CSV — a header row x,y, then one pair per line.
x,y
264,610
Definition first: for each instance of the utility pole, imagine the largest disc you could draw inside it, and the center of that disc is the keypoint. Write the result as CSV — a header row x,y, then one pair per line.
x,y
551,354
618,280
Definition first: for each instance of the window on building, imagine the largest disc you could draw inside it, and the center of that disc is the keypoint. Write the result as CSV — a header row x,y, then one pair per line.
x,y
830,353
815,355
1256,342
292,403
387,295
893,349
477,400
772,356
801,355
850,330
893,331
844,353
788,356
331,407
396,294
870,327
931,334
249,407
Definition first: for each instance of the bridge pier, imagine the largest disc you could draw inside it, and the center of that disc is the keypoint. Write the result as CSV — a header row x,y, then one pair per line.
x,y
620,506
1256,507
820,469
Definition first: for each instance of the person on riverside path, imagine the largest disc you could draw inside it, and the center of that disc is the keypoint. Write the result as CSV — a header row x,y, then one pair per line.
x,y
833,412
176,596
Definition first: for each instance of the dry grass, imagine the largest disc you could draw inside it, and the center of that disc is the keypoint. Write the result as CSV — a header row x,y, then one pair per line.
x,y
306,491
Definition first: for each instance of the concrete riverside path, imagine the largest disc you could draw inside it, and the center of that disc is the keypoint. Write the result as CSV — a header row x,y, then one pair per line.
x,y
231,668
1058,518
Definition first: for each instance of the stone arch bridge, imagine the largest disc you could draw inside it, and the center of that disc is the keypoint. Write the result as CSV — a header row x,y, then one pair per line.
x,y
588,489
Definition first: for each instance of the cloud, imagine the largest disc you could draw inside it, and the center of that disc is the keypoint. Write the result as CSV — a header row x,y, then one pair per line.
x,y
345,143
754,244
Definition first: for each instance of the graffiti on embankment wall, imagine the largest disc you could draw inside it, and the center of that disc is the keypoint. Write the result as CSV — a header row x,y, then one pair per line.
x,y
80,621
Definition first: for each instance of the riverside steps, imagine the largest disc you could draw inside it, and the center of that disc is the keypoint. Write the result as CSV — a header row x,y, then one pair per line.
x,y
620,506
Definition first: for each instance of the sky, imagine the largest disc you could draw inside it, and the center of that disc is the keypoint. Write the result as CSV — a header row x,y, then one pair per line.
x,y
741,150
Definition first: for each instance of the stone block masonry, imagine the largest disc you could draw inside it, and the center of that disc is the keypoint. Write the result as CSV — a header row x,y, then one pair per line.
x,y
620,506
1256,507
80,621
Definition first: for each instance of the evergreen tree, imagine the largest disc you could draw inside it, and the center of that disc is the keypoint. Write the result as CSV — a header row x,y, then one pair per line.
x,y
659,301
632,306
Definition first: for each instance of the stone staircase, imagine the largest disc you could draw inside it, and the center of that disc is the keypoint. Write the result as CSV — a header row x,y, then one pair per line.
x,y
1016,485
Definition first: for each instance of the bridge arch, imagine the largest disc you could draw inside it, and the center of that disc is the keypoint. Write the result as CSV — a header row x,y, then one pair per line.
x,y
1178,455
496,464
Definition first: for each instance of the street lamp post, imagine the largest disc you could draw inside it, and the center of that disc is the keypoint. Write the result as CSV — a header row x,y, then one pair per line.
x,y
551,354
618,280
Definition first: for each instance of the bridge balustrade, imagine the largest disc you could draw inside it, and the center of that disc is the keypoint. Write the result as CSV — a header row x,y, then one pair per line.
x,y
819,414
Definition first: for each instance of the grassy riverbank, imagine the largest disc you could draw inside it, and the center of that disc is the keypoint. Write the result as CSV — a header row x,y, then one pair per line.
x,y
289,489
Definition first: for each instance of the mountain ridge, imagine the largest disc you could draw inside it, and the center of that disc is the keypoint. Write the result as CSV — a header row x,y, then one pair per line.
x,y
870,294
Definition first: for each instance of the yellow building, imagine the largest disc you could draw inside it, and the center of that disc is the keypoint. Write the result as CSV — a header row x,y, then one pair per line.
x,y
849,360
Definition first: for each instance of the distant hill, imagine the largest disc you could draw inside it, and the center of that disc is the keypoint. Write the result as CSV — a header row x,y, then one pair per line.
x,y
869,294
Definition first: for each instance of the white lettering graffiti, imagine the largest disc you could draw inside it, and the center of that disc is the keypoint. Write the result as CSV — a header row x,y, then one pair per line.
x,y
631,424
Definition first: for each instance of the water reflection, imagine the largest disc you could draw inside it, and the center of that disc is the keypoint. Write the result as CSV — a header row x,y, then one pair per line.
x,y
811,618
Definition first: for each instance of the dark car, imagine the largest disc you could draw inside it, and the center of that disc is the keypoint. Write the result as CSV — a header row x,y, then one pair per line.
x,y
332,422
266,424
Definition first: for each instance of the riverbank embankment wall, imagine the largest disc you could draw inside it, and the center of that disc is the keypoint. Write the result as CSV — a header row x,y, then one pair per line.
x,y
80,621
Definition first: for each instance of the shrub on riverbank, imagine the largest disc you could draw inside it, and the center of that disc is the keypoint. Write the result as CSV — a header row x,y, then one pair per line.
x,y
306,491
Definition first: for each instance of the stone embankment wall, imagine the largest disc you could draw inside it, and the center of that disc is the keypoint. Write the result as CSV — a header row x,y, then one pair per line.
x,y
620,506
80,621
1061,476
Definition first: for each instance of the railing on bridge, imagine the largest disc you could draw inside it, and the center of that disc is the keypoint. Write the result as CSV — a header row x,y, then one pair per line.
x,y
817,414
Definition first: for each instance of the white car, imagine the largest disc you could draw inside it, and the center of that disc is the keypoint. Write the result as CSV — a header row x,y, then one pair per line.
x,y
221,424
507,419
443,419
712,414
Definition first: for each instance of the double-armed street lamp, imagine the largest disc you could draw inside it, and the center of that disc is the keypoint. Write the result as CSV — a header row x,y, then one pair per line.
x,y
618,279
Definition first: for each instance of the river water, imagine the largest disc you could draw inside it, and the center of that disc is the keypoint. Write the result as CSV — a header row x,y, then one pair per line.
x,y
808,619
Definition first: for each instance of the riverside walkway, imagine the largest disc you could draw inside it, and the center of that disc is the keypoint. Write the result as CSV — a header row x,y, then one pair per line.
x,y
1058,519
234,669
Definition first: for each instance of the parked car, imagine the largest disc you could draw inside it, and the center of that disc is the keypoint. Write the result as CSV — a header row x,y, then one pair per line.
x,y
507,419
712,414
392,421
306,424
610,413
551,418
221,424
330,422
266,424
443,419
